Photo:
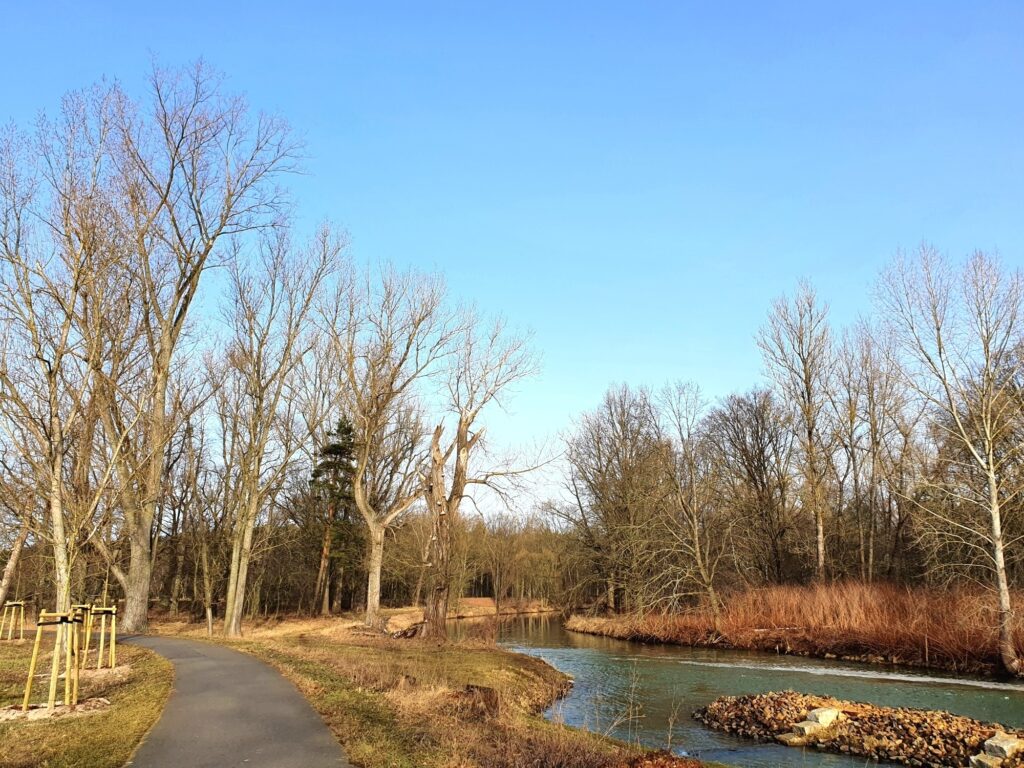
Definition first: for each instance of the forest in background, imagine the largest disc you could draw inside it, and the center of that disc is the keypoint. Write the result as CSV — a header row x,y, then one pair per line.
x,y
310,439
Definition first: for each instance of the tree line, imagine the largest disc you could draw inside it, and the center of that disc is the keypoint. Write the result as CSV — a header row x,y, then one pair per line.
x,y
205,411
889,450
179,443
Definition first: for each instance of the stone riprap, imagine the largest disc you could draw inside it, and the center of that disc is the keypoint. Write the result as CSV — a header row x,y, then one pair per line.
x,y
909,736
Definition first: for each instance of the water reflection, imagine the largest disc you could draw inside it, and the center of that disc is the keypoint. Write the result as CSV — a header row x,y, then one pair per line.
x,y
647,692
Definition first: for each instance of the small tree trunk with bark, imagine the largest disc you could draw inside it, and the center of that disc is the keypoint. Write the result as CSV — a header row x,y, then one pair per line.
x,y
12,561
323,588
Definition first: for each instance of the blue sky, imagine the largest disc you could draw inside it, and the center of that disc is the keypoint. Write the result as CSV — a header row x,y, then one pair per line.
x,y
633,181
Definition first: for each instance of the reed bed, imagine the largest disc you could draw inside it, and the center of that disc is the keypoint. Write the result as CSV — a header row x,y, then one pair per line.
x,y
954,630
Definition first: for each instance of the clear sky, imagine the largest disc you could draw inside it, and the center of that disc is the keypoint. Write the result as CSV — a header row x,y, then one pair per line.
x,y
633,181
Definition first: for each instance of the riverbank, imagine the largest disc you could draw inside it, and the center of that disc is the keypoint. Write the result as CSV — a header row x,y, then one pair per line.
x,y
410,703
400,619
907,736
952,631
102,738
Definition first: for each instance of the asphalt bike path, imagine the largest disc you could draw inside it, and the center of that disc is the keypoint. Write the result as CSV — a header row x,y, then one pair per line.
x,y
227,710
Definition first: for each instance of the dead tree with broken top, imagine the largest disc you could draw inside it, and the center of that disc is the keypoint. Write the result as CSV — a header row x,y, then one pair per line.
x,y
486,364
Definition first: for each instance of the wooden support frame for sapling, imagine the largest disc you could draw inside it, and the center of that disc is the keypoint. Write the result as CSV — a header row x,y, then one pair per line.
x,y
66,645
86,610
105,636
15,610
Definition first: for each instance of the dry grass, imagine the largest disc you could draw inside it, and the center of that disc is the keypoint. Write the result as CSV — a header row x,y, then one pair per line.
x,y
104,739
405,703
467,608
951,630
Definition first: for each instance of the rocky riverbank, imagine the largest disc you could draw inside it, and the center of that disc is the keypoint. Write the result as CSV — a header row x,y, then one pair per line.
x,y
909,736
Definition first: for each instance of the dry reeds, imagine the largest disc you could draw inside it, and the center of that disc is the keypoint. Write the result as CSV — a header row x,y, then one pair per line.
x,y
945,629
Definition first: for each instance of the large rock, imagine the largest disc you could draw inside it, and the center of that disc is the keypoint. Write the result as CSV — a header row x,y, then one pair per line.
x,y
824,715
808,728
1003,745
985,761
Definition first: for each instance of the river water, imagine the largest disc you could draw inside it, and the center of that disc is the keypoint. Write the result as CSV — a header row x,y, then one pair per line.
x,y
631,690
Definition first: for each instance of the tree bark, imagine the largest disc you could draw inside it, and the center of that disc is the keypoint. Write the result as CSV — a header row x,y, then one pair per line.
x,y
12,561
137,581
241,554
62,566
373,578
323,587
179,565
1007,647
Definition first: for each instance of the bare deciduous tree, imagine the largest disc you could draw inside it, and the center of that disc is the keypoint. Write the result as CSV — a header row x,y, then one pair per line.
x,y
797,350
195,169
961,335
268,313
388,334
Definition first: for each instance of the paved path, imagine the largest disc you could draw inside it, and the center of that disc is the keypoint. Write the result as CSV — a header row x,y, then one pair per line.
x,y
229,709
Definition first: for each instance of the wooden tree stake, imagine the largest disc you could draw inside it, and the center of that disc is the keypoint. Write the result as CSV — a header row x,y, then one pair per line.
x,y
32,668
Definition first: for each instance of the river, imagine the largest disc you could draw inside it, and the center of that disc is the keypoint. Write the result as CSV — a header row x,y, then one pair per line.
x,y
631,690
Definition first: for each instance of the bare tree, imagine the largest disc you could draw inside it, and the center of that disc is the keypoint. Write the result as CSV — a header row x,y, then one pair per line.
x,y
503,553
616,476
797,350
752,436
59,233
388,334
485,366
17,502
194,169
268,313
961,335
696,534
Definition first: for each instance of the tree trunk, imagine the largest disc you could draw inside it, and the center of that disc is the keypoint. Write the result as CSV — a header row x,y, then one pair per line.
x,y
241,554
819,525
136,586
179,565
12,561
373,578
62,567
323,588
325,596
207,586
435,615
1007,647
339,585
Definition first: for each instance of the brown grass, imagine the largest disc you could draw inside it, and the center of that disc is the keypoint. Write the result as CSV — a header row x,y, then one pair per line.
x,y
942,629
405,703
467,608
103,739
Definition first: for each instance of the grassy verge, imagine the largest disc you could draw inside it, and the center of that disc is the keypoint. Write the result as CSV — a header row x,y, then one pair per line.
x,y
102,739
413,704
948,630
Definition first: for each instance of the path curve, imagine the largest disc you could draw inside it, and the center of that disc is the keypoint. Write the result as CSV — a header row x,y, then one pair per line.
x,y
229,709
